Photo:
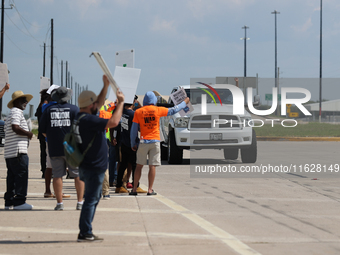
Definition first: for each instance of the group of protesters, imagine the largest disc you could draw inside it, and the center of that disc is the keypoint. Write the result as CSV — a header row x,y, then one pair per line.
x,y
55,117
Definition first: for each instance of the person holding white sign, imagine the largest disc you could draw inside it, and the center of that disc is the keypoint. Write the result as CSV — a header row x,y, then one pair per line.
x,y
146,119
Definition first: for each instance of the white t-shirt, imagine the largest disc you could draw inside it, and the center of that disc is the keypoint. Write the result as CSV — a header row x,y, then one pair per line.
x,y
15,143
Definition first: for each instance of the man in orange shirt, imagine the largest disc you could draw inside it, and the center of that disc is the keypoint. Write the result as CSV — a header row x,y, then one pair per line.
x,y
146,119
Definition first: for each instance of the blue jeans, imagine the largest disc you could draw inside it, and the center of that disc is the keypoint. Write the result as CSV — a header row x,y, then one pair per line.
x,y
17,180
93,187
112,162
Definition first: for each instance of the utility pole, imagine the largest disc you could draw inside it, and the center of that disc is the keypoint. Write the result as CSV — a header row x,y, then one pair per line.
x,y
67,74
245,49
72,93
44,60
278,90
320,79
276,12
51,74
75,93
62,67
2,39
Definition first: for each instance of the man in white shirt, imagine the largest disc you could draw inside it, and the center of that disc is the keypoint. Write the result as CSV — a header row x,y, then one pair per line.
x,y
17,136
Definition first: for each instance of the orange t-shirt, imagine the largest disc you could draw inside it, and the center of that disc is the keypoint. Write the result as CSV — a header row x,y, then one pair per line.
x,y
148,119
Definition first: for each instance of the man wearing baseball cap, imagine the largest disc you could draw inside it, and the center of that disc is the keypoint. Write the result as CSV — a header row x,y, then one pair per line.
x,y
17,136
94,165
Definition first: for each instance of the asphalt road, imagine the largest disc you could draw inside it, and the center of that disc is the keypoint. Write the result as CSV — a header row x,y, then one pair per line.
x,y
244,213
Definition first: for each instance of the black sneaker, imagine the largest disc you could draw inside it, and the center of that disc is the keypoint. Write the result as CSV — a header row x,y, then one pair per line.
x,y
89,238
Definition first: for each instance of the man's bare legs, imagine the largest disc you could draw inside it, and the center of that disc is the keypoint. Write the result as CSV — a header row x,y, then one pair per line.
x,y
151,177
138,174
58,188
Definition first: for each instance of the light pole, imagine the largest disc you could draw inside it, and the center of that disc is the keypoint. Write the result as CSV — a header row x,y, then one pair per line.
x,y
276,12
245,49
2,39
320,79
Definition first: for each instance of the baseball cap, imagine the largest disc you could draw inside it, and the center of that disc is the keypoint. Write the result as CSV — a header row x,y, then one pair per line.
x,y
86,98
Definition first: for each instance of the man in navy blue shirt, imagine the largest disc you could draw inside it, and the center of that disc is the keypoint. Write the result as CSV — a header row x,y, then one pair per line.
x,y
55,123
94,165
128,155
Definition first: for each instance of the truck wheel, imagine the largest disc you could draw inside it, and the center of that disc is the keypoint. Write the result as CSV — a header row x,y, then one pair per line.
x,y
249,155
230,153
164,152
175,154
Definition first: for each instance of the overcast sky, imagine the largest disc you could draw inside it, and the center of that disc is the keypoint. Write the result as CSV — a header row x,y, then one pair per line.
x,y
173,40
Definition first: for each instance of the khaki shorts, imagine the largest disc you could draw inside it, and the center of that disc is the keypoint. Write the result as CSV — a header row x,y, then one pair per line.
x,y
149,149
59,165
48,159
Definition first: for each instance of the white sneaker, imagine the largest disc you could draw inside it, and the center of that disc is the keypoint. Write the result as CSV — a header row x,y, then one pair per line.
x,y
8,207
23,207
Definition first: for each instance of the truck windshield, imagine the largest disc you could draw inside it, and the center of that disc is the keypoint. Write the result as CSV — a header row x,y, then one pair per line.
x,y
195,96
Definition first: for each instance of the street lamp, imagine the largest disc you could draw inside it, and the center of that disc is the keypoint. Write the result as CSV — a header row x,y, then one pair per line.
x,y
245,49
2,40
276,12
320,79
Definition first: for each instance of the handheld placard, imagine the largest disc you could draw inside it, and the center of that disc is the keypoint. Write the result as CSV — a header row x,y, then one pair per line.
x,y
106,70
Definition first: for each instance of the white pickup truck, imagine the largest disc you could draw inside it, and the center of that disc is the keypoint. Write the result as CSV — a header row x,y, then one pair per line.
x,y
218,129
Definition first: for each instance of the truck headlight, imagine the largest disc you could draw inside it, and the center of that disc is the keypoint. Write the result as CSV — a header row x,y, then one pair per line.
x,y
182,122
246,121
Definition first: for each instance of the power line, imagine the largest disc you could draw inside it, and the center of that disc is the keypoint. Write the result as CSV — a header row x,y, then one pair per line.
x,y
49,27
15,7
15,24
17,45
25,25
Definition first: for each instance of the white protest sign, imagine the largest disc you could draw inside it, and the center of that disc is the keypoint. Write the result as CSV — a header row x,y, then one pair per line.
x,y
3,75
128,79
178,97
106,71
125,58
44,83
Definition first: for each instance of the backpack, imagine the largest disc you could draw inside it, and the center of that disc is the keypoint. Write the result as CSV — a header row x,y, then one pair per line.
x,y
75,157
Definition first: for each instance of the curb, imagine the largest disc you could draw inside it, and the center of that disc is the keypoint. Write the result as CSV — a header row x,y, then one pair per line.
x,y
298,139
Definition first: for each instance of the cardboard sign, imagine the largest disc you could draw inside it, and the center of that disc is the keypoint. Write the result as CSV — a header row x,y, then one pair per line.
x,y
178,97
125,58
106,71
3,75
128,79
44,83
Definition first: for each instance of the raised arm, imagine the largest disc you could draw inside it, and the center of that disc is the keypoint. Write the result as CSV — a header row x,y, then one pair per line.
x,y
4,89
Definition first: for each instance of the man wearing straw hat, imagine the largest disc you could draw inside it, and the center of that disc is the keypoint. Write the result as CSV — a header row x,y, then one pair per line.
x,y
17,136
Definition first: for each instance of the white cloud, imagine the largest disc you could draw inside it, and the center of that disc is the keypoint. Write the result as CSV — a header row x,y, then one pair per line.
x,y
303,28
35,28
202,8
83,6
163,25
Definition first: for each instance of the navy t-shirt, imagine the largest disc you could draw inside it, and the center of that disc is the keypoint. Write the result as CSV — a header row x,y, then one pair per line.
x,y
55,122
126,123
96,156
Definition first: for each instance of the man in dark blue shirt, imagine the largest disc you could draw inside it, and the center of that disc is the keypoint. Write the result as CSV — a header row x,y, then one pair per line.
x,y
128,155
94,165
55,123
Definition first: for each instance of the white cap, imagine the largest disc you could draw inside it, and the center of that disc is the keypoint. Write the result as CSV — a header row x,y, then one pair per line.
x,y
51,88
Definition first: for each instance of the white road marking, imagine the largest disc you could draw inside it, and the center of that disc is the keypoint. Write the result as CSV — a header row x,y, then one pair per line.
x,y
219,233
